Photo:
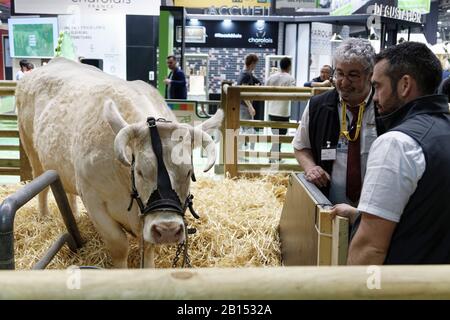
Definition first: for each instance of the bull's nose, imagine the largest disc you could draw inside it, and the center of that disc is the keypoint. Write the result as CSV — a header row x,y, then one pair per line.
x,y
167,232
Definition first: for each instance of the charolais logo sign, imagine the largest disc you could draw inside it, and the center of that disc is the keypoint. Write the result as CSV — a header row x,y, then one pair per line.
x,y
260,38
237,34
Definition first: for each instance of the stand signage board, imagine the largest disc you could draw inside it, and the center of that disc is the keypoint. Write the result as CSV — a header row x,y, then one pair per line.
x,y
137,7
237,34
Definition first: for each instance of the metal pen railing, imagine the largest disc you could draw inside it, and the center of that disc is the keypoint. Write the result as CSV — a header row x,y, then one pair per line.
x,y
14,202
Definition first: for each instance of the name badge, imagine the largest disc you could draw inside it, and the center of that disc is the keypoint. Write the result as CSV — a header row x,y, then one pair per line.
x,y
342,145
328,154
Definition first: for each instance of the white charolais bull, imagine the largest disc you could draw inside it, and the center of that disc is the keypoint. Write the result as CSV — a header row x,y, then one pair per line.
x,y
86,125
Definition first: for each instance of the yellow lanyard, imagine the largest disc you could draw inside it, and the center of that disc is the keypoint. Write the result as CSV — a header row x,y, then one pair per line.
x,y
344,131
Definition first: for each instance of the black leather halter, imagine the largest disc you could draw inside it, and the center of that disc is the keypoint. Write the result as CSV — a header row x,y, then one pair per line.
x,y
164,198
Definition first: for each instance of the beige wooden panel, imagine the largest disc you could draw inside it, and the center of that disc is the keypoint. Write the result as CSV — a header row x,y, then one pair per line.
x,y
264,154
9,134
274,89
6,147
15,163
319,90
265,138
265,166
297,226
268,124
8,83
10,117
261,96
308,234
9,171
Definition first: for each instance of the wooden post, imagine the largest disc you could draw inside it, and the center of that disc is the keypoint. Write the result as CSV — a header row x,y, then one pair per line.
x,y
324,237
232,118
339,248
26,172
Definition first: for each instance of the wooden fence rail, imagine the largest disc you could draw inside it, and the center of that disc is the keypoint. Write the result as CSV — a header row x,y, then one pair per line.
x,y
232,138
342,282
12,166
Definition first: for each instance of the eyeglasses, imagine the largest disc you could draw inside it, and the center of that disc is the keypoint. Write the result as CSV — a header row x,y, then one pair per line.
x,y
352,77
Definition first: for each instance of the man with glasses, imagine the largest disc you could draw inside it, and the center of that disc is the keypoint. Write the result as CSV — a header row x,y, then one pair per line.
x,y
338,127
404,209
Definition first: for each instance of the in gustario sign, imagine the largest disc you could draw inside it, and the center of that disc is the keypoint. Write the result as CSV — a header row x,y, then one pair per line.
x,y
397,13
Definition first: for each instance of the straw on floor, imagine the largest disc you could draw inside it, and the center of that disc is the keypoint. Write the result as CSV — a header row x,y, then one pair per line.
x,y
237,228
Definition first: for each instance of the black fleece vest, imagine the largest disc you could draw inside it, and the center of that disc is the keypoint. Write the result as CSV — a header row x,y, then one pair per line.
x,y
324,125
422,235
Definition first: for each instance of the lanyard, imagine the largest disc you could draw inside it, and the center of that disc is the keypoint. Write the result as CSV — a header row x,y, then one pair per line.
x,y
344,131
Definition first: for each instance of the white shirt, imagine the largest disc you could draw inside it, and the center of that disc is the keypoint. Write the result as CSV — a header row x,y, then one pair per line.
x,y
280,108
19,75
396,164
339,171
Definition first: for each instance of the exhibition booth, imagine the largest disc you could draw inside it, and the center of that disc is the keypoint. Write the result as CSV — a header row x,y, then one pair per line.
x,y
132,41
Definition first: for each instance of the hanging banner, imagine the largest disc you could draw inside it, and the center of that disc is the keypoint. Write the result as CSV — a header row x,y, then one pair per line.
x,y
320,47
295,4
221,3
346,7
98,37
422,6
136,7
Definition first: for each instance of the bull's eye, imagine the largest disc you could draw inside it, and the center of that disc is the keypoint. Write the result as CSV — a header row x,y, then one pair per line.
x,y
139,172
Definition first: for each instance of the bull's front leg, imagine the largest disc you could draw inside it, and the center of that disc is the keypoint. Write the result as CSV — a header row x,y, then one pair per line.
x,y
111,231
115,239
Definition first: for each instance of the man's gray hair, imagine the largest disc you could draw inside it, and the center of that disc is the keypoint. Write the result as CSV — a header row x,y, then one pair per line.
x,y
355,50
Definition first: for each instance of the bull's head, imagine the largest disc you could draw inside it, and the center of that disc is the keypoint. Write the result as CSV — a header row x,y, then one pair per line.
x,y
178,141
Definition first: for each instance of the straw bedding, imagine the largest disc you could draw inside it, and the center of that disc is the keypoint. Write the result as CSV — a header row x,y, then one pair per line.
x,y
237,228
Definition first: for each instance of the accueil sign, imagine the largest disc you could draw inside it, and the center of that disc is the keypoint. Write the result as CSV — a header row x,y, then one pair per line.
x,y
238,11
397,13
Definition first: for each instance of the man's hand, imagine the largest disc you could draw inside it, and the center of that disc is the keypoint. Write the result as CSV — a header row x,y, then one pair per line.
x,y
344,210
167,81
251,110
318,176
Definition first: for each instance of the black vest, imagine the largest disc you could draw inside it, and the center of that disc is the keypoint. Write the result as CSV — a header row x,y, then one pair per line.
x,y
422,235
324,125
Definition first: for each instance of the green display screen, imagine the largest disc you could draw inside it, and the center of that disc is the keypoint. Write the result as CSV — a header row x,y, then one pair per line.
x,y
33,37
33,40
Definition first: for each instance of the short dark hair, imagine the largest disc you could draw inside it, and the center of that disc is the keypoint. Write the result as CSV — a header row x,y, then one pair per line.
x,y
416,60
251,58
172,57
285,63
23,63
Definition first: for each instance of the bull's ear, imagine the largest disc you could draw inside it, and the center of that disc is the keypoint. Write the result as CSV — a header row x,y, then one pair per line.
x,y
212,123
112,116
